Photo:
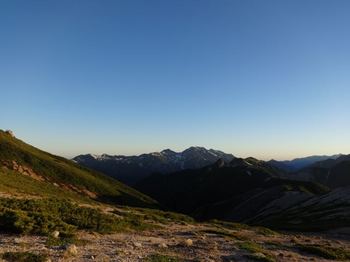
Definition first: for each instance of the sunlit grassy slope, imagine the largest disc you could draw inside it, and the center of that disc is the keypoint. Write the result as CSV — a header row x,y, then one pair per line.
x,y
63,178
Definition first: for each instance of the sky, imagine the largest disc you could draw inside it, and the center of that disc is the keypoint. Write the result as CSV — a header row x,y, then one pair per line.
x,y
269,79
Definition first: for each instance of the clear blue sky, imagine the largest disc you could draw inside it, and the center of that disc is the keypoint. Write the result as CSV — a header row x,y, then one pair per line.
x,y
269,79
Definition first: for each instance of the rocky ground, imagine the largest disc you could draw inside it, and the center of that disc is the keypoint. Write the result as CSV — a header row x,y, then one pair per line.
x,y
186,242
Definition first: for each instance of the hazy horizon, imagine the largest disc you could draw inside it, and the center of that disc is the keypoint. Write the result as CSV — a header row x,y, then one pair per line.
x,y
267,79
53,151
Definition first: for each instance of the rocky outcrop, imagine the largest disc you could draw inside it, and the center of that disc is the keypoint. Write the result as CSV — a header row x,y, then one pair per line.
x,y
10,132
22,169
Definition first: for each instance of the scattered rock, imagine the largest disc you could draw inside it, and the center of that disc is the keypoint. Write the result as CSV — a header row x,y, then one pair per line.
x,y
55,234
17,240
163,245
259,255
24,170
137,244
10,132
294,240
188,242
72,250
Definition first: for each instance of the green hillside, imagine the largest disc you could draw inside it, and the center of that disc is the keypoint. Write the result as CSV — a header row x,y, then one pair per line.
x,y
25,169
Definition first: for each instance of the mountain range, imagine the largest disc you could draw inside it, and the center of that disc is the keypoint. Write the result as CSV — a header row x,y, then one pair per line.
x,y
299,163
132,169
333,172
58,202
229,188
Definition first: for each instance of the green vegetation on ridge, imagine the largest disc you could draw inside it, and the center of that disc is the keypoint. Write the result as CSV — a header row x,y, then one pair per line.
x,y
325,251
43,216
60,171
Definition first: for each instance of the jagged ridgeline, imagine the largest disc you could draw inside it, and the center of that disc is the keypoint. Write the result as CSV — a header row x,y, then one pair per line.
x,y
28,171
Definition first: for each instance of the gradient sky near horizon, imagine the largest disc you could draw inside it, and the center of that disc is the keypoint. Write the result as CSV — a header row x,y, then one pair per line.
x,y
269,79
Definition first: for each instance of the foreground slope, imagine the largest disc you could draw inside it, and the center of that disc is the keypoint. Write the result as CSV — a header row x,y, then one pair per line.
x,y
186,242
53,210
28,170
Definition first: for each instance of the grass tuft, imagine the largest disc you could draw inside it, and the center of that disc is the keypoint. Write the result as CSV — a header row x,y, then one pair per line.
x,y
162,258
257,251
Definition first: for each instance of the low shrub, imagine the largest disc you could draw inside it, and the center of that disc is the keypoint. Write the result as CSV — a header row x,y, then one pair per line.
x,y
162,258
255,250
325,252
23,257
42,216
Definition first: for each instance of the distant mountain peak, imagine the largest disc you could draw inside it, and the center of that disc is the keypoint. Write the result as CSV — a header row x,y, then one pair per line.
x,y
130,169
195,149
168,152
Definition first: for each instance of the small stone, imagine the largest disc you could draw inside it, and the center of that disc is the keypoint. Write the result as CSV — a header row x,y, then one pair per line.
x,y
259,255
188,242
55,234
17,240
137,244
163,245
294,240
72,250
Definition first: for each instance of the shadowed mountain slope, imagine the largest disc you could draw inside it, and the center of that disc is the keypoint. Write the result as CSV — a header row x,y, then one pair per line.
x,y
300,163
333,173
235,191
